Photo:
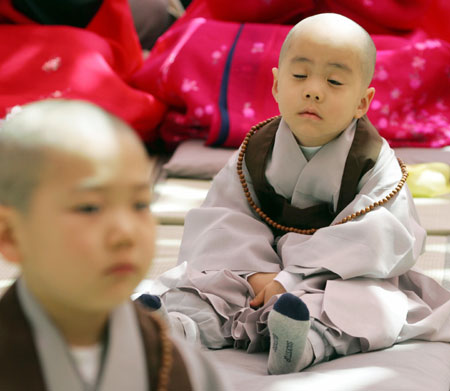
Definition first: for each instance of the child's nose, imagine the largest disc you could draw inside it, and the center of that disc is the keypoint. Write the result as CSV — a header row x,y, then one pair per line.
x,y
314,96
313,92
121,230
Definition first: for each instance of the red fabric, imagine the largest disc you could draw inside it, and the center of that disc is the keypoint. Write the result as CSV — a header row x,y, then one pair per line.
x,y
208,99
257,11
376,16
94,64
382,16
436,20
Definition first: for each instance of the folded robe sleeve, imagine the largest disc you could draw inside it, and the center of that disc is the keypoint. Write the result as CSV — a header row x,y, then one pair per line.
x,y
225,234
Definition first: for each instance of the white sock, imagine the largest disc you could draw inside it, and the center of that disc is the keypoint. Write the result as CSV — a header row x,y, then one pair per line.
x,y
179,323
290,349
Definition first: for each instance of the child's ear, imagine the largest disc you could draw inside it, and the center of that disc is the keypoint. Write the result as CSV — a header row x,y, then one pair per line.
x,y
365,102
275,83
9,247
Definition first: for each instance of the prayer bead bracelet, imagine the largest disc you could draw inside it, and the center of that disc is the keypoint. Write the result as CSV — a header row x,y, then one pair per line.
x,y
310,231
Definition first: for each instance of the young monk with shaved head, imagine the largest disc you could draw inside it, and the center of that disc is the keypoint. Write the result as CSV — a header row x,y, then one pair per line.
x,y
328,60
305,242
74,215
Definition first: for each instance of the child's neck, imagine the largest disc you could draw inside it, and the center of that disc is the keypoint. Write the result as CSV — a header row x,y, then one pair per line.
x,y
80,329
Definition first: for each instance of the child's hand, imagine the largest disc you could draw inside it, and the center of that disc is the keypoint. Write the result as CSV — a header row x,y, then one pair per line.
x,y
258,281
271,289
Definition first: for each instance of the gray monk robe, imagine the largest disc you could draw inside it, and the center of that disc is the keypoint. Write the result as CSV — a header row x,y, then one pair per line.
x,y
34,357
356,278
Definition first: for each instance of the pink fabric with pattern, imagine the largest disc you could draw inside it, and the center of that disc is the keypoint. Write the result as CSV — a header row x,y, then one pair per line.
x,y
187,71
215,76
412,79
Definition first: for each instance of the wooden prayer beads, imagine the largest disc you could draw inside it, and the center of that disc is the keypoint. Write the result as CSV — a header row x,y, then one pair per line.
x,y
310,231
166,356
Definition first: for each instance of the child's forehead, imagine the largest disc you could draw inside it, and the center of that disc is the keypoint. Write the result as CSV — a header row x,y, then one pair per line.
x,y
340,49
97,166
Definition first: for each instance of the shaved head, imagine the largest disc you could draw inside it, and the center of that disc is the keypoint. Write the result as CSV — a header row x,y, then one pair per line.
x,y
337,29
45,128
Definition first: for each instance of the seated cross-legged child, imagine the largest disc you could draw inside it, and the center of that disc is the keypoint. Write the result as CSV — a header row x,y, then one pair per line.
x,y
306,241
74,214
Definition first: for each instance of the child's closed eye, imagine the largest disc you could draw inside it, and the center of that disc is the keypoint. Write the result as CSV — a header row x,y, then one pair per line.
x,y
299,76
334,82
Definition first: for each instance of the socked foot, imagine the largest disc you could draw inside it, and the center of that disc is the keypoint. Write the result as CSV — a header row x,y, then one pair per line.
x,y
290,349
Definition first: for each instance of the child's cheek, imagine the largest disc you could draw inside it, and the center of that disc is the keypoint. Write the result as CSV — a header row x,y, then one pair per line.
x,y
80,236
147,239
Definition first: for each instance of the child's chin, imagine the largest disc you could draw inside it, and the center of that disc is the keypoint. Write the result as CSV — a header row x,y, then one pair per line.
x,y
113,300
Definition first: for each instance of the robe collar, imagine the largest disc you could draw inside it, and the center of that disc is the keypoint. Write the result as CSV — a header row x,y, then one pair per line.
x,y
300,183
301,194
124,363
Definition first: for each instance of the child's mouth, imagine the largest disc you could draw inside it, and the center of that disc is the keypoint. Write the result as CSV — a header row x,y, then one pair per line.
x,y
121,269
309,114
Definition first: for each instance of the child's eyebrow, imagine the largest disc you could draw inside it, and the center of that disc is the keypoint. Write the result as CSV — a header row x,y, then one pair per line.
x,y
341,66
301,59
338,65
99,188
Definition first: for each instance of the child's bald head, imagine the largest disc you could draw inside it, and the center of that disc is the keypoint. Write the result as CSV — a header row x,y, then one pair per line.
x,y
340,30
42,129
75,191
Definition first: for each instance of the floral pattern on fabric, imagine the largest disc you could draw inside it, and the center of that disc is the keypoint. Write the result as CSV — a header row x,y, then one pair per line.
x,y
52,65
230,72
412,94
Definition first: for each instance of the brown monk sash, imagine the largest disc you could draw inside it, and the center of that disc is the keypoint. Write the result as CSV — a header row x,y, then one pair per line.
x,y
20,368
361,158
